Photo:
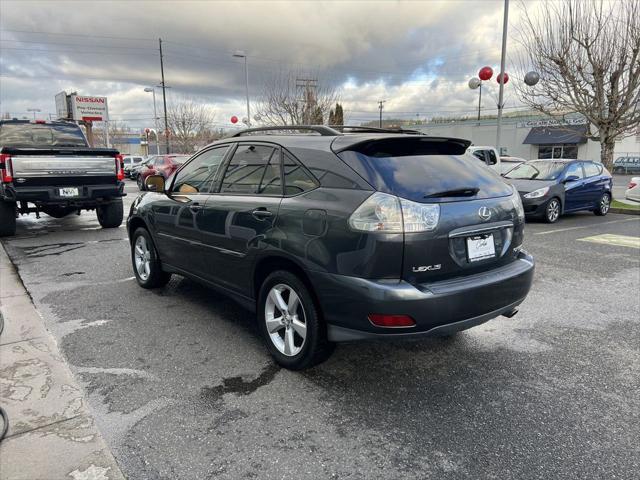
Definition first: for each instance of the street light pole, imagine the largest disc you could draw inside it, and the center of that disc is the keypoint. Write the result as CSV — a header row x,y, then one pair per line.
x,y
164,98
155,116
241,54
501,75
380,104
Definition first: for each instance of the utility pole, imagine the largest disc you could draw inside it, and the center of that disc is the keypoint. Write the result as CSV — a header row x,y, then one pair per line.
x,y
164,100
380,104
309,87
505,23
480,100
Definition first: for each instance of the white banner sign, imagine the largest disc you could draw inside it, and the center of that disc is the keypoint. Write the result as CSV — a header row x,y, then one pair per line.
x,y
89,109
551,123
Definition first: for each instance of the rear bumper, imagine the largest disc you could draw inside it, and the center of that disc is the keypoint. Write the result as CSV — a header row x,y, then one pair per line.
x,y
437,308
90,195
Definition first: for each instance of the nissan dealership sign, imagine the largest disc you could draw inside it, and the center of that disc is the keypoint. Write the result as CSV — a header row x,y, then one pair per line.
x,y
89,109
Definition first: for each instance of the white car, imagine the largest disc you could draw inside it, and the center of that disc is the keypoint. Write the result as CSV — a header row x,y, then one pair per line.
x,y
633,190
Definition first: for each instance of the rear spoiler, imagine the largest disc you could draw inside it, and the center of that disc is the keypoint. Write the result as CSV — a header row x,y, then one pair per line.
x,y
90,151
400,145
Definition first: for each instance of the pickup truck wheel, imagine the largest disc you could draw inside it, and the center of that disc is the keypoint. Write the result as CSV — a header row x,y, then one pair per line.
x,y
146,264
290,322
7,219
110,214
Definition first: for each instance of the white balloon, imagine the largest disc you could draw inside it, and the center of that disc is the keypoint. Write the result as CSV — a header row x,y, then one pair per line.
x,y
474,83
531,78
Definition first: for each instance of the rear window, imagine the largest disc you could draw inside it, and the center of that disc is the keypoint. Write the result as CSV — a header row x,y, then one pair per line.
x,y
423,176
41,135
180,159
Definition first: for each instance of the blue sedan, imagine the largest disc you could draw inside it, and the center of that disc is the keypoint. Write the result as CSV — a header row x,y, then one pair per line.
x,y
549,188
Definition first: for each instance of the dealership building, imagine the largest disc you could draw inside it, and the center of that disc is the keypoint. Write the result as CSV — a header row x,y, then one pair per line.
x,y
533,136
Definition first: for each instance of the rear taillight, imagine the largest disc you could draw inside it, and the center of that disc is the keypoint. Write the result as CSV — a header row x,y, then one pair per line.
x,y
383,320
631,185
120,167
6,169
382,212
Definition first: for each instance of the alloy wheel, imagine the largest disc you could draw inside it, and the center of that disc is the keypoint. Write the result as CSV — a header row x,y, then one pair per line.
x,y
142,258
285,319
605,203
553,210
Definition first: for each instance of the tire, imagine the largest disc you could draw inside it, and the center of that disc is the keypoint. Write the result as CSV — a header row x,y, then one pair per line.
x,y
7,219
140,183
552,210
110,214
284,338
145,261
58,212
604,204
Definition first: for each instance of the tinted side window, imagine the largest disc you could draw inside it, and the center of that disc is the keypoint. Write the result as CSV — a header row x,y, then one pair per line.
x,y
492,157
248,173
296,179
197,176
575,169
592,169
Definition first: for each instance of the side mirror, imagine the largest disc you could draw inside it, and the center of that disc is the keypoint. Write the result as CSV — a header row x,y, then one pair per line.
x,y
154,183
571,178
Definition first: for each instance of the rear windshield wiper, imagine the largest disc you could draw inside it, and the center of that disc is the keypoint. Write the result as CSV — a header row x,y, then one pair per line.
x,y
458,192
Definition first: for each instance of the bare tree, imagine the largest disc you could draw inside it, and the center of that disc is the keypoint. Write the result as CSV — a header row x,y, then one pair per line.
x,y
587,53
116,130
190,124
292,98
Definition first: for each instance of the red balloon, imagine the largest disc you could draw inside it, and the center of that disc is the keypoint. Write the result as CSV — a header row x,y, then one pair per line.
x,y
485,73
499,77
234,119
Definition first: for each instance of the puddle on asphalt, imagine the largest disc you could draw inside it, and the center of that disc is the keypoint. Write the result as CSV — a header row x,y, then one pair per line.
x,y
238,385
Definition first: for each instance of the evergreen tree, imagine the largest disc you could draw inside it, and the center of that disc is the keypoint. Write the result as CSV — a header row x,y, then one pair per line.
x,y
332,118
338,118
317,117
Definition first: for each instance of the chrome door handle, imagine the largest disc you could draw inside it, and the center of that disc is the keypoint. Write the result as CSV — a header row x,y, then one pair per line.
x,y
261,213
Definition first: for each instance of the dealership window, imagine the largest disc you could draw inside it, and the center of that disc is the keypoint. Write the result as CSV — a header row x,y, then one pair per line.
x,y
558,151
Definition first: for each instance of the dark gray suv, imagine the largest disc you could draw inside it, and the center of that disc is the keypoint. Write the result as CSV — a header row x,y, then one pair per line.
x,y
334,237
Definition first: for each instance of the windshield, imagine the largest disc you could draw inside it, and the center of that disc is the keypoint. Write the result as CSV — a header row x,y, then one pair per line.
x,y
41,135
537,170
180,159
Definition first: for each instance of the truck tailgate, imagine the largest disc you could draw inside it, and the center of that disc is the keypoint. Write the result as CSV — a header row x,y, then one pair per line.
x,y
36,169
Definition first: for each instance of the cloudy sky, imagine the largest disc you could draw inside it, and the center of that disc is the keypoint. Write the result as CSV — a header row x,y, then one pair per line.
x,y
416,55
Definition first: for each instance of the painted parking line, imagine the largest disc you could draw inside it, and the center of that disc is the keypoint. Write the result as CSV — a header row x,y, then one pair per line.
x,y
557,230
610,239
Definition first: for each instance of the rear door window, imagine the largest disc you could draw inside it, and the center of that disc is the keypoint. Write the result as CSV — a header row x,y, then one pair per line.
x,y
251,171
592,169
296,179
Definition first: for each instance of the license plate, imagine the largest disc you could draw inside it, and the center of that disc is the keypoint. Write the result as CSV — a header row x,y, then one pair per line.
x,y
480,247
69,192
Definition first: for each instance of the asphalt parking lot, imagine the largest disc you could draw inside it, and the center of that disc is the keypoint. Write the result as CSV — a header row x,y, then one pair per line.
x,y
182,387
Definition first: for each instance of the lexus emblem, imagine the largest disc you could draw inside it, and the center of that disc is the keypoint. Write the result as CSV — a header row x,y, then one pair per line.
x,y
484,213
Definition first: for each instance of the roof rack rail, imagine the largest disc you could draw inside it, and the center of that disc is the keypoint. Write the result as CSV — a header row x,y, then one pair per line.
x,y
363,129
321,129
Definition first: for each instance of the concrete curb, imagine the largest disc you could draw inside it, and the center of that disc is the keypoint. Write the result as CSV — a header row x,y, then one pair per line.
x,y
52,434
625,211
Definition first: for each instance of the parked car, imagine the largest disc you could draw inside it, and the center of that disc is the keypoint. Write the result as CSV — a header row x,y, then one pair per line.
x,y
633,190
336,237
135,170
626,165
130,161
509,163
550,188
163,165
49,167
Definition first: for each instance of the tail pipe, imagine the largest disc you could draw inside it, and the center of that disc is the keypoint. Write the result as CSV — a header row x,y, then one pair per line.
x,y
510,313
